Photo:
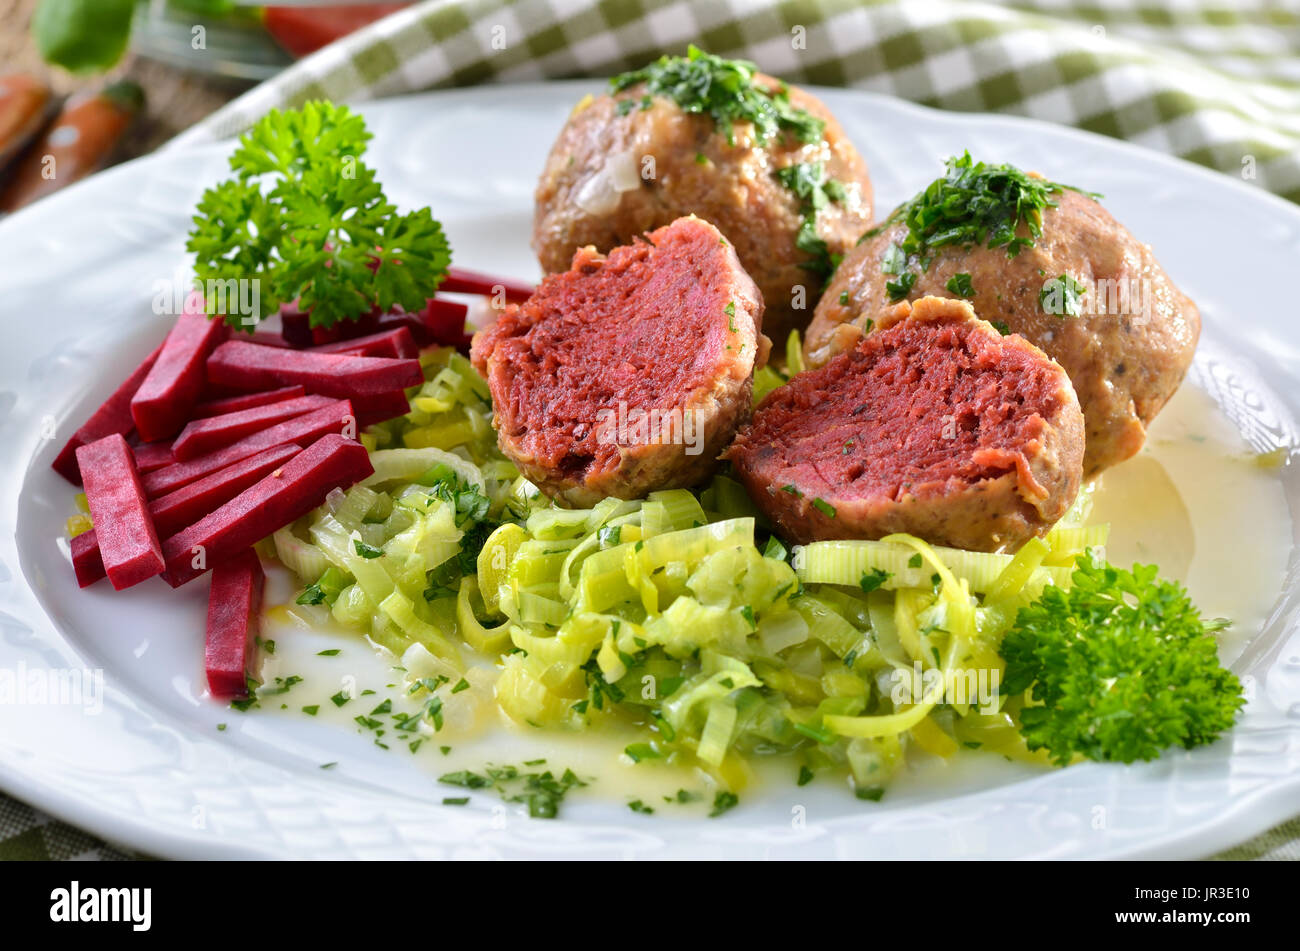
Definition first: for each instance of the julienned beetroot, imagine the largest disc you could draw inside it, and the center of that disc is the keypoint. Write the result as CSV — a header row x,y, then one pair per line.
x,y
234,603
151,456
376,409
185,506
233,404
281,497
397,343
337,417
113,416
460,280
163,403
442,322
202,436
128,542
246,365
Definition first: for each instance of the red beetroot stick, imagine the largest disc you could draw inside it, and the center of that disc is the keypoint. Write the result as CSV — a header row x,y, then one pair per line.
x,y
185,506
337,417
113,416
234,603
233,404
236,363
163,403
127,538
376,409
459,280
397,343
201,436
266,338
281,497
151,456
295,325
444,320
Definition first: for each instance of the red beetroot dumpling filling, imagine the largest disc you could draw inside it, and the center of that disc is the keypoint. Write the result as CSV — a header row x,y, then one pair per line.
x,y
663,323
937,425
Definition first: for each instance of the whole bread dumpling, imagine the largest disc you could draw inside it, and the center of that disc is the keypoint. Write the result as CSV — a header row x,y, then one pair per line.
x,y
1126,349
628,163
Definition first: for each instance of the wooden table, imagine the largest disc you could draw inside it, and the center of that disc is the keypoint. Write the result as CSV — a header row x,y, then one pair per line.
x,y
175,99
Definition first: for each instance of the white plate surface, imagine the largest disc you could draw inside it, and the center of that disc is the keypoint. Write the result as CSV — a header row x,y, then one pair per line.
x,y
151,770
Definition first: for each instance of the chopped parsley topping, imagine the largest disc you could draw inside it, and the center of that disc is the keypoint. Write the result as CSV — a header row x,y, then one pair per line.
x,y
808,183
900,288
960,285
312,594
367,551
727,90
824,507
873,579
723,802
972,203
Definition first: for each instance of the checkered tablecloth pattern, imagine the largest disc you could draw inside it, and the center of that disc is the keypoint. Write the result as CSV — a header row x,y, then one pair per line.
x,y
1213,81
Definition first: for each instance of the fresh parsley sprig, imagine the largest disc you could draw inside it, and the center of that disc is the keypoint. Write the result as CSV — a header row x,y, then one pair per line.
x,y
305,217
1120,668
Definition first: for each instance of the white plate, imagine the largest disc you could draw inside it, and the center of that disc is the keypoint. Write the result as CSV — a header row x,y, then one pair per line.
x,y
152,771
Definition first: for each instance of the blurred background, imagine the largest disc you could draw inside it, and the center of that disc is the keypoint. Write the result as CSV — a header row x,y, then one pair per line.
x,y
133,73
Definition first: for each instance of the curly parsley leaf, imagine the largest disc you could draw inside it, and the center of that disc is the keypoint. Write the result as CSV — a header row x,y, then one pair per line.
x,y
1120,667
305,218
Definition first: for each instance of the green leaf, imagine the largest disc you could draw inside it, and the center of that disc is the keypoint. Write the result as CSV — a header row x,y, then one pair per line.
x,y
82,36
307,219
1119,668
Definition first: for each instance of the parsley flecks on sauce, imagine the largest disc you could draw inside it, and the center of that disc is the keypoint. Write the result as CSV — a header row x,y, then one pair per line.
x,y
541,792
998,206
726,90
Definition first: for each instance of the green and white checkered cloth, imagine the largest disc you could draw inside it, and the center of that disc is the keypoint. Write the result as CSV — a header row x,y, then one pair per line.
x,y
1213,81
